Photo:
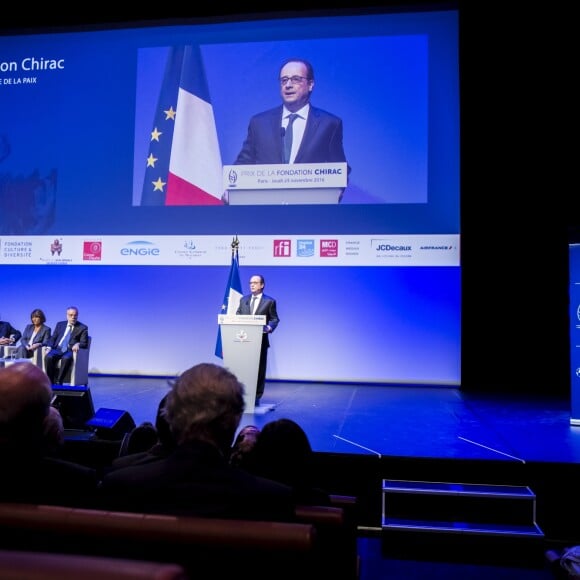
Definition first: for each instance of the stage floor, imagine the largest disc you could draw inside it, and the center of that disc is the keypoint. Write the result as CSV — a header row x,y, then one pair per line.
x,y
391,421
366,434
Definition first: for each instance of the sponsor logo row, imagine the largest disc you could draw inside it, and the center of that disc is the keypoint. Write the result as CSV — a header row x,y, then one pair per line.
x,y
209,250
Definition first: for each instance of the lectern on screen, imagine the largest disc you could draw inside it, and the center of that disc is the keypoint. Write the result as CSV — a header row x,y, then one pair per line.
x,y
281,184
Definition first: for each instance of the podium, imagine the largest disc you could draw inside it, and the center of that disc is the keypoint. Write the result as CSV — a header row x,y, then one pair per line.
x,y
241,343
285,184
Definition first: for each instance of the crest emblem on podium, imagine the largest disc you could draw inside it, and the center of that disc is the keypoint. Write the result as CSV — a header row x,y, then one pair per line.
x,y
242,336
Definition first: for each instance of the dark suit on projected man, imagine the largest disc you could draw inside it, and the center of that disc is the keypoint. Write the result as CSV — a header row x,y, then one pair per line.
x,y
316,134
69,336
259,303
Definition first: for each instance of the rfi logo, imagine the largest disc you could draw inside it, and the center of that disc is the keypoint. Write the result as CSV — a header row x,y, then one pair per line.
x,y
282,248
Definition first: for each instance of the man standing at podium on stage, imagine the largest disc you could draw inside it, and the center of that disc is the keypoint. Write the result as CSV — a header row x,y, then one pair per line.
x,y
259,303
296,131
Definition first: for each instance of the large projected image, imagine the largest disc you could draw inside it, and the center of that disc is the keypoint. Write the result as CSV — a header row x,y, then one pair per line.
x,y
126,158
80,111
381,100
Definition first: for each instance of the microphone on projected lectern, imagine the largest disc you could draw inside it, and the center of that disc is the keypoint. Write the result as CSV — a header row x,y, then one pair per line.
x,y
282,132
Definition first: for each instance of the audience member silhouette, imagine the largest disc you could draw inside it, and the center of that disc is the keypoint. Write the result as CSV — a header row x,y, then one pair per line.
x,y
243,445
54,432
29,435
161,448
140,439
203,409
282,452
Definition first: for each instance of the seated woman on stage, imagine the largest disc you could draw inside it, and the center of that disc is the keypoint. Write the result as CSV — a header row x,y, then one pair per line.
x,y
34,334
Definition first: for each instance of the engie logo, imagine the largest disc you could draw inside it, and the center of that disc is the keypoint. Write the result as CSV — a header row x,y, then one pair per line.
x,y
140,248
282,248
328,248
92,250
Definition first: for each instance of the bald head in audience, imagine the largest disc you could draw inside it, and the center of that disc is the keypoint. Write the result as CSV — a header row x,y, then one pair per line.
x,y
25,395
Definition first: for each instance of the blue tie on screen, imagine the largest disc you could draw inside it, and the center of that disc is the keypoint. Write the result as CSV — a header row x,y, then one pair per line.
x,y
252,303
288,138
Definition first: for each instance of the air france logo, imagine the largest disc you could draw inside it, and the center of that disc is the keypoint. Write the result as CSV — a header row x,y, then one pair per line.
x,y
140,248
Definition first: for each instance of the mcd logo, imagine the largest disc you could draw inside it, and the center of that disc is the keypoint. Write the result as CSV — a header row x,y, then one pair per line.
x,y
328,248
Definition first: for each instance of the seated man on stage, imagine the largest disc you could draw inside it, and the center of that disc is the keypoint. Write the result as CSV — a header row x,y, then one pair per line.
x,y
9,336
68,337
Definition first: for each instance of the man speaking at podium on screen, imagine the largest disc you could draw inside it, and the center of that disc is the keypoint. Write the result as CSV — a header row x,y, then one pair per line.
x,y
296,131
259,303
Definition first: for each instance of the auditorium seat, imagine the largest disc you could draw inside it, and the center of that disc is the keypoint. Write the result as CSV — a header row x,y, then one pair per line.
x,y
25,565
204,547
337,535
37,356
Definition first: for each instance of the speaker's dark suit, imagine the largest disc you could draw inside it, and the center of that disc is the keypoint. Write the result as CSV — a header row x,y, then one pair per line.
x,y
267,307
79,335
321,143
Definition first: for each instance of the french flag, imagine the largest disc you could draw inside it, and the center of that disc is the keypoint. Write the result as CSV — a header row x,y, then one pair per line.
x,y
184,165
232,295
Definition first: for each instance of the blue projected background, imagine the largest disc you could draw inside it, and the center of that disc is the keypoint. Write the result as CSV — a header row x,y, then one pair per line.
x,y
74,137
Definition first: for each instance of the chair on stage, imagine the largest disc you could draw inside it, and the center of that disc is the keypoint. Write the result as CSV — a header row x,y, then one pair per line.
x,y
7,350
38,358
79,373
11,351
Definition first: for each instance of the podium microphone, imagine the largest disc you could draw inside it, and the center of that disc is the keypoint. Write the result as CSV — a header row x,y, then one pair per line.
x,y
282,132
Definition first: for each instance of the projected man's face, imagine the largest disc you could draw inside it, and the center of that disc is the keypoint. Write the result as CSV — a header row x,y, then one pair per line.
x,y
295,87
